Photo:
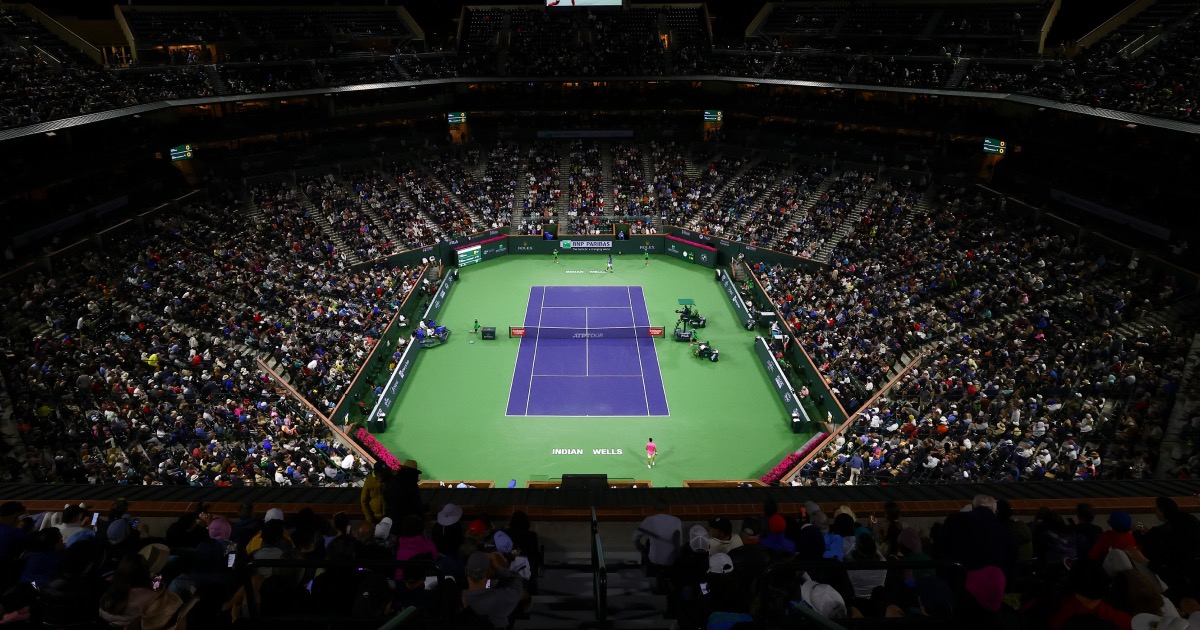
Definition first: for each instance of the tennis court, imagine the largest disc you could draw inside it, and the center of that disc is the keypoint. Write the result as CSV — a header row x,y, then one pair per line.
x,y
587,351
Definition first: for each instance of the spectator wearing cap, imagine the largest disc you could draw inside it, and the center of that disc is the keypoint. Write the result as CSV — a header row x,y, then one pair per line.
x,y
371,497
824,599
1173,545
1119,537
447,533
513,557
752,558
983,606
520,530
722,590
411,542
776,539
492,592
722,538
659,537
1088,587
402,494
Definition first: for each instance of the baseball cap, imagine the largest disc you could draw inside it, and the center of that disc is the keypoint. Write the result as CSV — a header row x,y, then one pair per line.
x,y
721,524
383,528
273,514
720,563
1120,520
373,594
776,524
478,564
698,538
845,509
449,515
824,599
118,530
477,527
752,527
503,542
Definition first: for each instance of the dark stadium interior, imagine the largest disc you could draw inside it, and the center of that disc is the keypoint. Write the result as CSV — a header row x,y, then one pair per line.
x,y
1015,331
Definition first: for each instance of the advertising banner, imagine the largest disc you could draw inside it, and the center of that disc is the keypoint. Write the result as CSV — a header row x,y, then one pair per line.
x,y
739,306
782,387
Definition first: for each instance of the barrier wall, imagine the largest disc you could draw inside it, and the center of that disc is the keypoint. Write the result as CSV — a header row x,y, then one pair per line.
x,y
377,417
345,410
783,388
739,305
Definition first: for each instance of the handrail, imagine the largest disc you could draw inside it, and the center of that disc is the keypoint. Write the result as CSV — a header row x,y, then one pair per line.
x,y
599,571
333,428
1114,22
850,419
600,582
354,563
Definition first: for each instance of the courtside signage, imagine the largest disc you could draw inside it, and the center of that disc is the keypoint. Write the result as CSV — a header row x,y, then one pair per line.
x,y
572,244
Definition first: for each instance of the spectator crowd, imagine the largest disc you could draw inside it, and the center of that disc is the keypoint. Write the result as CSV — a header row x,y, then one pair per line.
x,y
981,567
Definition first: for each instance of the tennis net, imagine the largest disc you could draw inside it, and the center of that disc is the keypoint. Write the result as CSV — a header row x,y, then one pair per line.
x,y
567,332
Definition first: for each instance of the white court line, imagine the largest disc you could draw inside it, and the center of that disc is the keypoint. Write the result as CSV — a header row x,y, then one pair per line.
x,y
587,344
638,341
533,366
588,375
620,307
654,351
513,384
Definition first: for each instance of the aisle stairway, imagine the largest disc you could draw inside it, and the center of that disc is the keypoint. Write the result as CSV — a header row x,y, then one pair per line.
x,y
565,598
343,249
800,212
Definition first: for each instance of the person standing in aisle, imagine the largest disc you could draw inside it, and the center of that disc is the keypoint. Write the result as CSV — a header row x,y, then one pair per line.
x,y
651,453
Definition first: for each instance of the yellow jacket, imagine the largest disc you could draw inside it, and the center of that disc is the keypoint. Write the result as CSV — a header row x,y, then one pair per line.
x,y
373,506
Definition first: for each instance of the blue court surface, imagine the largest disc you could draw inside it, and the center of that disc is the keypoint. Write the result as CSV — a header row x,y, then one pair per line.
x,y
587,352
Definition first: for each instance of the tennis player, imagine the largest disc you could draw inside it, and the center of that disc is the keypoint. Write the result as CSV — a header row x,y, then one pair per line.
x,y
610,263
651,453
556,255
646,255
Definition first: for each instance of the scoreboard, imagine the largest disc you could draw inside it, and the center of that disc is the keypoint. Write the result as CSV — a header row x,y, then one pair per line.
x,y
181,152
469,255
456,118
994,146
714,115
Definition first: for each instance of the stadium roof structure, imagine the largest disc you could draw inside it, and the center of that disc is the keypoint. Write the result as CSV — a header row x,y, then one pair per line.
x,y
113,114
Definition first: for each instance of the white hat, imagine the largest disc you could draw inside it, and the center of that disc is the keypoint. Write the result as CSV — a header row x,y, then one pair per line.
x,y
449,515
720,563
824,599
698,538
384,528
273,514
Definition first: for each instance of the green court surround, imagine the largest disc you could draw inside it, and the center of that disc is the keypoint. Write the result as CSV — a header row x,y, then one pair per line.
x,y
726,421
